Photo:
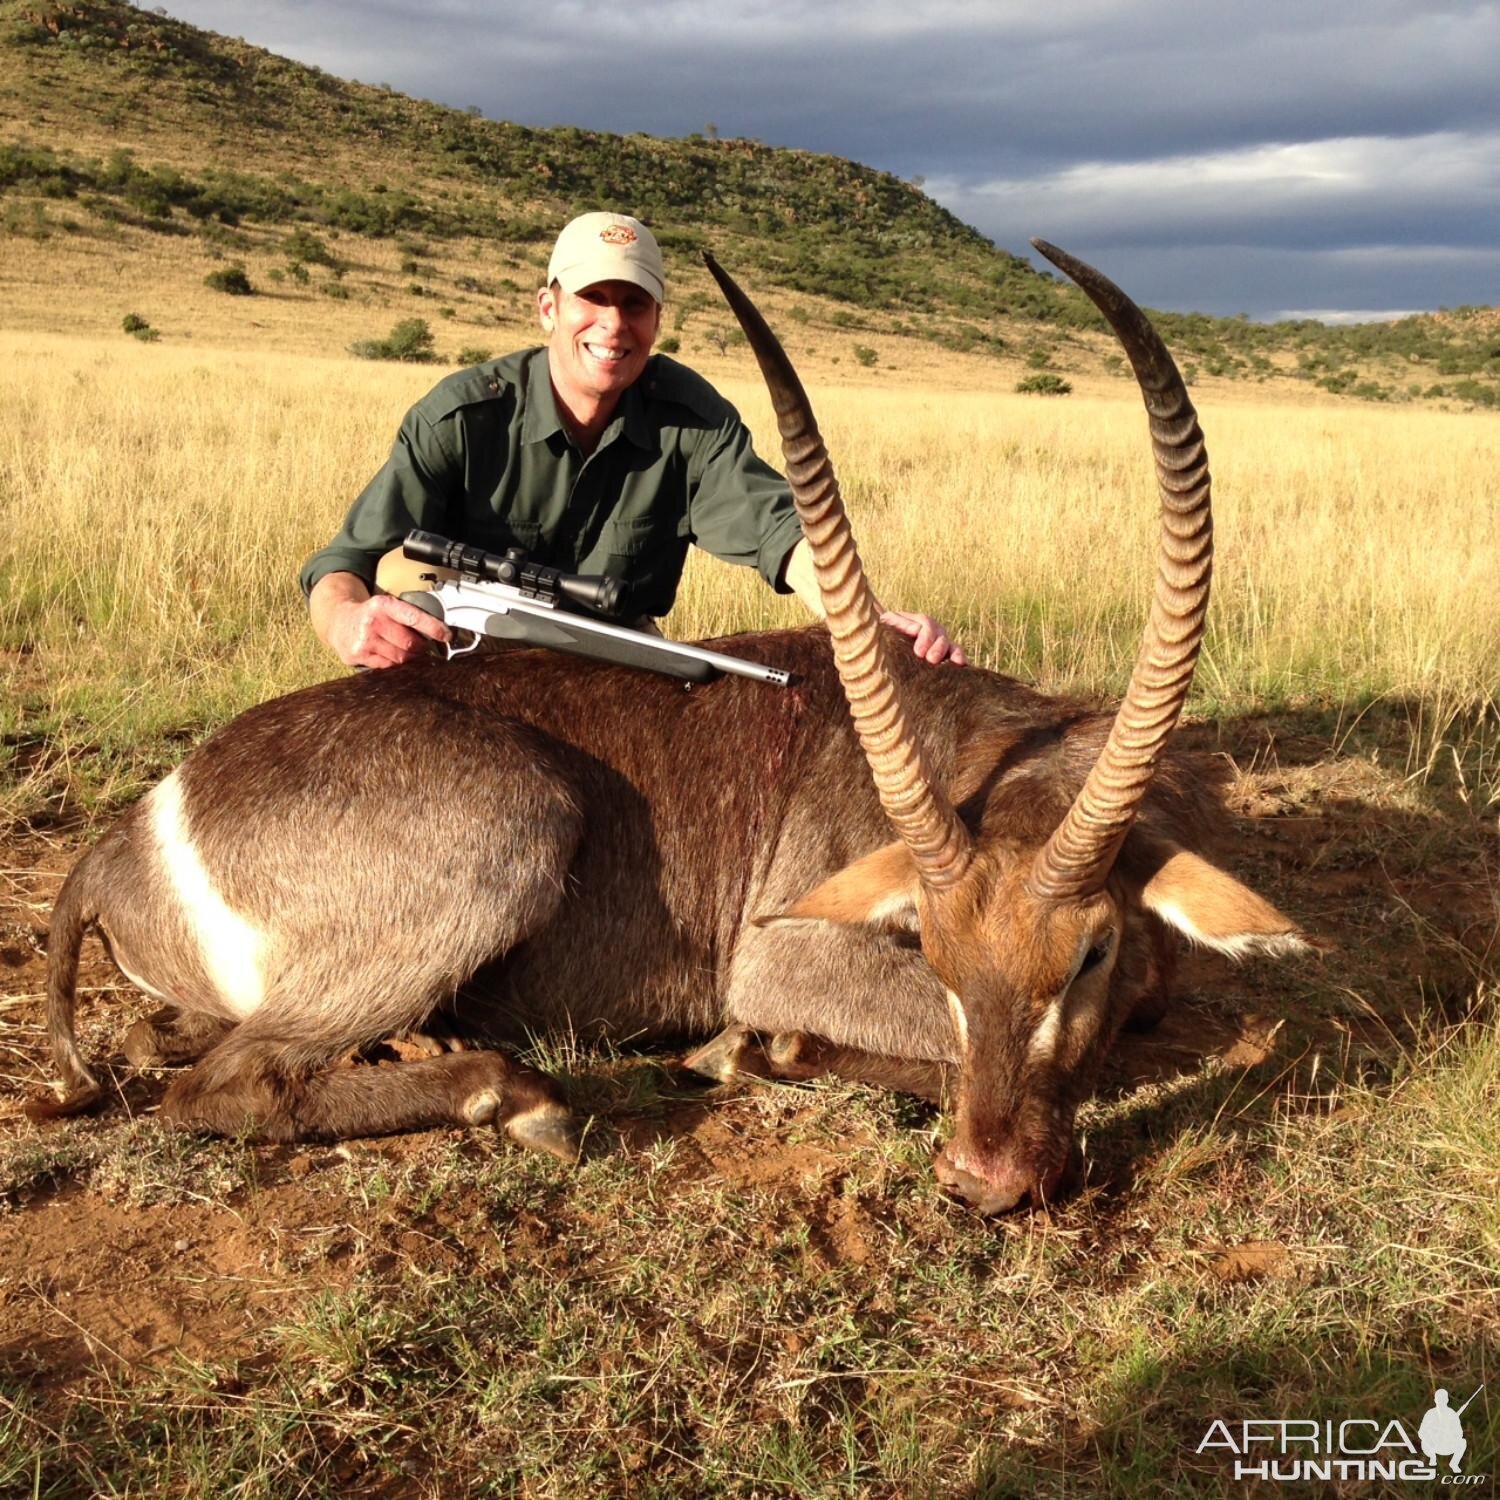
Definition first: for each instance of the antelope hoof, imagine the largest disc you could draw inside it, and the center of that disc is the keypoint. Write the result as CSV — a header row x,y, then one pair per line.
x,y
734,1051
549,1128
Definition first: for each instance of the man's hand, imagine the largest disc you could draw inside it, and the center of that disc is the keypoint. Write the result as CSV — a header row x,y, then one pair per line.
x,y
365,631
931,639
383,632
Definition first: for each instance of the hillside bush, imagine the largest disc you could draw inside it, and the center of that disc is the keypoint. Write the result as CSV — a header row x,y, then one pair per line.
x,y
302,245
137,327
231,280
865,355
1044,385
475,354
410,341
669,345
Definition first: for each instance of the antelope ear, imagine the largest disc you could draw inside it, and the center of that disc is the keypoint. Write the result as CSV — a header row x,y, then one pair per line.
x,y
1209,906
879,890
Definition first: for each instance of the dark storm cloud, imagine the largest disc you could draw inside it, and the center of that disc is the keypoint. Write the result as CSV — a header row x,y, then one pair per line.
x,y
1277,140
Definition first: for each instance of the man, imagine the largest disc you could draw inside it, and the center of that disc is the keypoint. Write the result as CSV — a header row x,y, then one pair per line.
x,y
591,453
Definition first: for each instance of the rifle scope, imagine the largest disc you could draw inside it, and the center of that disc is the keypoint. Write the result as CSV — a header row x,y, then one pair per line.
x,y
513,567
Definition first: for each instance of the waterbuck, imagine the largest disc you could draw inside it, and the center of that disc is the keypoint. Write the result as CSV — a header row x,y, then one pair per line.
x,y
540,842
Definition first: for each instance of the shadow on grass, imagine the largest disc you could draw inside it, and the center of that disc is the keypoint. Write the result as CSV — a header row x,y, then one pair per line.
x,y
1154,1432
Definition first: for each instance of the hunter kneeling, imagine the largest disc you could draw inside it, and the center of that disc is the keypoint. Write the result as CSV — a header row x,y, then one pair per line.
x,y
591,453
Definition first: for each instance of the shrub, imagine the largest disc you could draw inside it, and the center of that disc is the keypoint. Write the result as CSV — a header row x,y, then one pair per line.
x,y
230,279
669,345
1044,385
409,341
865,355
474,355
135,325
303,245
30,221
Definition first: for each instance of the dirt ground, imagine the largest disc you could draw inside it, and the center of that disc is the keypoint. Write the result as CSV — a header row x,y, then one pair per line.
x,y
1398,879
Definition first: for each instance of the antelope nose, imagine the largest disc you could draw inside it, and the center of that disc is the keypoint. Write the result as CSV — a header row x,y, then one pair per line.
x,y
990,1195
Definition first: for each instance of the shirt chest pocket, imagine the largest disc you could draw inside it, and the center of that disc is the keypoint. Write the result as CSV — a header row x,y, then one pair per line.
x,y
632,540
495,534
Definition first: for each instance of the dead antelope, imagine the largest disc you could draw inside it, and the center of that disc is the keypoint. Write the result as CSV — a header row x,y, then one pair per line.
x,y
539,842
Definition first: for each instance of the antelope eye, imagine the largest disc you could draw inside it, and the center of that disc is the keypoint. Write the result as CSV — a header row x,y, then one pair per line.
x,y
1097,954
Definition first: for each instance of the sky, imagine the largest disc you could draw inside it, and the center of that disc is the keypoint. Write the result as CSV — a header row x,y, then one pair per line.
x,y
1335,158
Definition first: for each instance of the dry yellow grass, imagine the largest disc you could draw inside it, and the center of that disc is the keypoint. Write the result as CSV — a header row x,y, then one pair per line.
x,y
156,502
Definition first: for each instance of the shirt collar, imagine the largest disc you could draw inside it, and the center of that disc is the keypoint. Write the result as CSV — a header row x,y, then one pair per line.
x,y
638,427
542,419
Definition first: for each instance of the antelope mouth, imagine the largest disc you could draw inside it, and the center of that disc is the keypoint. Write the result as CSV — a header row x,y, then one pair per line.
x,y
1004,1187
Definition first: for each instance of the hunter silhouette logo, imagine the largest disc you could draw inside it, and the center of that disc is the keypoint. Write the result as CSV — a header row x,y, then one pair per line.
x,y
1441,1433
1359,1448
617,234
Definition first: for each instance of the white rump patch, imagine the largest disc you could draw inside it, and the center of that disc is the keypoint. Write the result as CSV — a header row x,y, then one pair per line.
x,y
1237,945
231,948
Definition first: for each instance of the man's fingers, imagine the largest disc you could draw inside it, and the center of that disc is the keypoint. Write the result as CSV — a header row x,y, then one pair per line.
x,y
379,654
930,640
399,612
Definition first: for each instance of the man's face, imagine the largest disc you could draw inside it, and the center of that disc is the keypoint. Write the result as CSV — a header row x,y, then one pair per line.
x,y
598,339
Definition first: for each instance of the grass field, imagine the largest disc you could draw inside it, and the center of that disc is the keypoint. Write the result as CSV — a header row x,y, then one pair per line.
x,y
1293,1200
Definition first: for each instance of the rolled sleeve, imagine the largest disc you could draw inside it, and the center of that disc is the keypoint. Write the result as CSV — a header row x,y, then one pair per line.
x,y
412,489
741,509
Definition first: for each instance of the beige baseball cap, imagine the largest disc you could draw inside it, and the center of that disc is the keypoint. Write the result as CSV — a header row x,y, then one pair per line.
x,y
606,247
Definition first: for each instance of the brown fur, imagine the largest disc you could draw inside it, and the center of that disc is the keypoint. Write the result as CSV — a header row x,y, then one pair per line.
x,y
545,843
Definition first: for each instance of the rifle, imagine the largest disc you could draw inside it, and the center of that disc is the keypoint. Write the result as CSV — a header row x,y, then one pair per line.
x,y
506,596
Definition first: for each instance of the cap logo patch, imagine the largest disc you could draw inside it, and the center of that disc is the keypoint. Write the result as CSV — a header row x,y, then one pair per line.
x,y
617,234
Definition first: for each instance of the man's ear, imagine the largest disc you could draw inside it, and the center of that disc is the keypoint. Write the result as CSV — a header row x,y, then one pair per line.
x,y
1209,906
546,309
879,890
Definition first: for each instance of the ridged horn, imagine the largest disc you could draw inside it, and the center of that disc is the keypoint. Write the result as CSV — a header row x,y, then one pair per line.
x,y
916,806
1077,859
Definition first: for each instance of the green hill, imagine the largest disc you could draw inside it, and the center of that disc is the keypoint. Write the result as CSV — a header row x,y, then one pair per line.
x,y
130,118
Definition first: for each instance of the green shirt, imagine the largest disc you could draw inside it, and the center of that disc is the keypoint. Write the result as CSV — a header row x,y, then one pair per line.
x,y
484,458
